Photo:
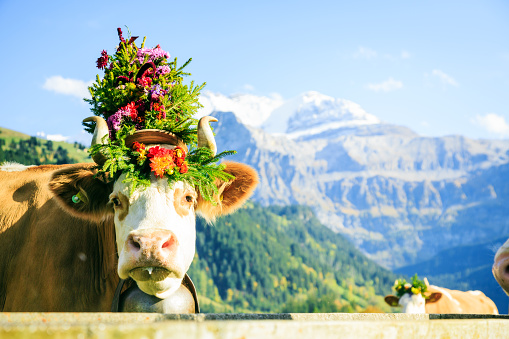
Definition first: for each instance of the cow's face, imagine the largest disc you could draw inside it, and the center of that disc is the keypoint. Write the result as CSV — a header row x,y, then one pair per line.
x,y
412,303
155,225
500,267
155,233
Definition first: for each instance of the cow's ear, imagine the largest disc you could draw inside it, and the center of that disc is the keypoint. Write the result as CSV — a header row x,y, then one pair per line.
x,y
434,297
392,300
80,194
232,194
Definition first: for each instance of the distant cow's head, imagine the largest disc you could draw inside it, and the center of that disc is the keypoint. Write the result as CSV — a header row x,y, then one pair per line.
x,y
155,225
412,303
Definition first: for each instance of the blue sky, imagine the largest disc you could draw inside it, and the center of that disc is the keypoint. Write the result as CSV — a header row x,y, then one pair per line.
x,y
438,67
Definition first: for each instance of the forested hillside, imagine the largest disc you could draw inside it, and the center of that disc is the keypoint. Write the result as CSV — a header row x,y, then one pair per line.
x,y
29,150
281,259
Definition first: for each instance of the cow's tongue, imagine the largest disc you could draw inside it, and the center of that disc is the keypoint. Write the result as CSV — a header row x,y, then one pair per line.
x,y
149,273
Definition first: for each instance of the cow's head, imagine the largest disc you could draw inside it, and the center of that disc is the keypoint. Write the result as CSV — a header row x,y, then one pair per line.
x,y
412,303
412,297
155,225
500,267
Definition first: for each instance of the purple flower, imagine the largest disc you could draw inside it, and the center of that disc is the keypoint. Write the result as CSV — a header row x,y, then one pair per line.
x,y
163,70
115,120
156,91
153,54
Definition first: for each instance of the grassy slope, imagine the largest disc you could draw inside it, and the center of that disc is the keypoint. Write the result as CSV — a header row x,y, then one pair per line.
x,y
75,153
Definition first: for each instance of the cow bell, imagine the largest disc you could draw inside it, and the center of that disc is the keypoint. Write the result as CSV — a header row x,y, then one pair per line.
x,y
183,301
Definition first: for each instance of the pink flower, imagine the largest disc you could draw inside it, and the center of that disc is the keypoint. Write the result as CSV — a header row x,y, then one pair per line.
x,y
163,69
152,53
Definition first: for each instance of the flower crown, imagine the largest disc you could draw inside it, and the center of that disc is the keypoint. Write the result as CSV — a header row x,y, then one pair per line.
x,y
142,100
401,286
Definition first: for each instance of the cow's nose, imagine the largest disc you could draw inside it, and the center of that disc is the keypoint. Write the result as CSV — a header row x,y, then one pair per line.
x,y
151,243
501,271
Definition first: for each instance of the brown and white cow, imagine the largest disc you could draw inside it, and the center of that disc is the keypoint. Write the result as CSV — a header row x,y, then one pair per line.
x,y
440,300
500,267
58,255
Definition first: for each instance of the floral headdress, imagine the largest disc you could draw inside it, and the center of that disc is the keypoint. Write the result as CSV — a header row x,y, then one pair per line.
x,y
401,286
142,100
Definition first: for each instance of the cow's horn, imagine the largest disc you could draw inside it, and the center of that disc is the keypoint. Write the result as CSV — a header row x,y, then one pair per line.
x,y
205,135
100,136
426,282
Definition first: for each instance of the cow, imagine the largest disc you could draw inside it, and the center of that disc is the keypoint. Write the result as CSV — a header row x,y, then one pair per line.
x,y
59,253
440,300
500,267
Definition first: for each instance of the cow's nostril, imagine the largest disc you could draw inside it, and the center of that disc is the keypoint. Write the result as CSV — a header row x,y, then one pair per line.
x,y
506,270
135,245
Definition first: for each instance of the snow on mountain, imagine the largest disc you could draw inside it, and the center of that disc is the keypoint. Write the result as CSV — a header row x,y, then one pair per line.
x,y
251,110
310,113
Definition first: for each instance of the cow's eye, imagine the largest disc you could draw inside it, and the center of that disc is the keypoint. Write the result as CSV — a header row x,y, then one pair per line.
x,y
115,201
189,198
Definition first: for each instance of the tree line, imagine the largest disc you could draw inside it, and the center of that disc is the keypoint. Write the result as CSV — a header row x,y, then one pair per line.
x,y
35,151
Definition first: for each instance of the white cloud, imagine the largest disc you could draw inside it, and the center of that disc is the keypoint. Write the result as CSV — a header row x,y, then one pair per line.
x,y
405,55
73,87
368,53
52,137
444,78
493,123
365,53
386,86
248,88
276,96
56,137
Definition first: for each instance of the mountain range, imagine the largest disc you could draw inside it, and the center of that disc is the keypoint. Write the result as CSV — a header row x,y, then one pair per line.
x,y
401,198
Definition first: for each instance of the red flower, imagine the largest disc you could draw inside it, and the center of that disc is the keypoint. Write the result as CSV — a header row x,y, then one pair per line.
x,y
161,160
138,147
145,81
183,167
157,152
179,156
157,107
131,109
102,61
119,31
